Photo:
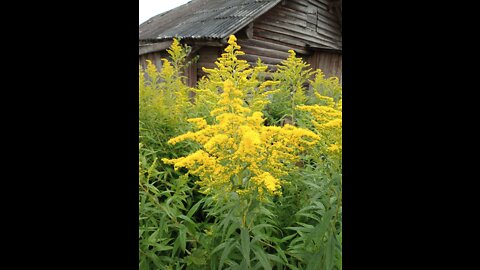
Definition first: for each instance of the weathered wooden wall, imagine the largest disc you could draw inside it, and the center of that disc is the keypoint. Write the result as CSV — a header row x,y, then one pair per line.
x,y
300,23
310,27
208,56
155,57
190,72
330,63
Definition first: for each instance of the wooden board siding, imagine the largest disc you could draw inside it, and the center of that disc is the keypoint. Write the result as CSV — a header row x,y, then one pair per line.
x,y
155,57
302,23
329,63
208,56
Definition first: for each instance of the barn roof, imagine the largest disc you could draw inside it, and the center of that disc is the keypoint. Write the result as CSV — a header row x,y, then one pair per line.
x,y
204,19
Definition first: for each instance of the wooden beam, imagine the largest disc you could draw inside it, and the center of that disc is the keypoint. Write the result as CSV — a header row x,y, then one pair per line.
x,y
210,43
249,30
267,60
290,34
155,47
271,45
249,49
294,31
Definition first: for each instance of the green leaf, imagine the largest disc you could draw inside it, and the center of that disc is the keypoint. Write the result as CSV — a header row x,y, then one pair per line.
x,y
225,253
314,261
219,247
182,239
243,265
262,257
143,265
154,259
259,226
159,247
231,229
194,208
245,243
286,238
198,257
281,253
319,230
312,216
188,220
329,253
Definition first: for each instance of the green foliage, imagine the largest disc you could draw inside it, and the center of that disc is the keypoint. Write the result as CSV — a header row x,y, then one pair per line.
x,y
182,228
292,76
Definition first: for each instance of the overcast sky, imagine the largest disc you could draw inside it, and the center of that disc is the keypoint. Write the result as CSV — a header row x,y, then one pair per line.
x,y
150,8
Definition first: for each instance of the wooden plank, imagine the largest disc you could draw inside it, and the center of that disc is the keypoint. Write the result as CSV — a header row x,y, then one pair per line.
x,y
327,27
321,36
263,33
267,60
191,72
300,18
248,49
312,60
334,65
295,34
271,45
286,17
301,51
340,66
321,29
328,67
327,15
319,4
320,61
141,61
158,60
208,43
300,2
249,30
299,8
209,54
205,65
312,18
293,13
155,47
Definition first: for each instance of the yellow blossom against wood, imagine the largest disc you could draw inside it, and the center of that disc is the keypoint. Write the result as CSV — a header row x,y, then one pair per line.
x,y
164,91
229,67
239,153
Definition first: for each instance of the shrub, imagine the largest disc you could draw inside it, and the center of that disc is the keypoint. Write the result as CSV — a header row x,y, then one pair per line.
x,y
225,182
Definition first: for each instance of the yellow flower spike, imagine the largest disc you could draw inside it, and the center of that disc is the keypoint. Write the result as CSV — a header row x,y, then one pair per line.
x,y
199,122
234,144
232,40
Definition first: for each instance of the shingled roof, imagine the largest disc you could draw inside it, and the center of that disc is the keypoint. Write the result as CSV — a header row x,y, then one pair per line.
x,y
204,19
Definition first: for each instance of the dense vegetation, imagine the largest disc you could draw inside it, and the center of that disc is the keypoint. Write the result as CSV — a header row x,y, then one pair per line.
x,y
239,172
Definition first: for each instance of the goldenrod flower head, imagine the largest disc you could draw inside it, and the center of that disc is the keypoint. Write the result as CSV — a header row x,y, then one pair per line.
x,y
237,152
268,182
232,40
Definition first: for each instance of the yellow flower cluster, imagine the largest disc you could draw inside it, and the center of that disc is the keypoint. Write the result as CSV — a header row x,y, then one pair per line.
x,y
244,78
327,120
239,153
163,91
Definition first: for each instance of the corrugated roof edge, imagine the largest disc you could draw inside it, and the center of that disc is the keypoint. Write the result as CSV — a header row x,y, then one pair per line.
x,y
166,12
222,38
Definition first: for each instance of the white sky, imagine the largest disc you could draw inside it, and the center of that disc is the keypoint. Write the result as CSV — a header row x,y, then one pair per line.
x,y
150,8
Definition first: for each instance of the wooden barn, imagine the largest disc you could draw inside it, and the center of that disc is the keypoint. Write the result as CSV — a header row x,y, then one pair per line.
x,y
265,29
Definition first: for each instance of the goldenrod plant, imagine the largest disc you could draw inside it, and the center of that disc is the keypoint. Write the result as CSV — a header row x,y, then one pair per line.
x,y
225,181
291,76
239,153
